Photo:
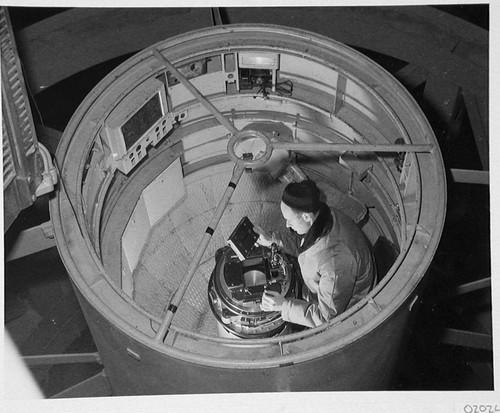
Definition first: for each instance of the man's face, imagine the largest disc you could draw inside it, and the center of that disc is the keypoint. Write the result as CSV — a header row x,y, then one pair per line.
x,y
294,220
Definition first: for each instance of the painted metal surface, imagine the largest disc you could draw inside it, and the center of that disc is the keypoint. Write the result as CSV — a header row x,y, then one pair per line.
x,y
32,240
434,43
369,364
356,350
21,167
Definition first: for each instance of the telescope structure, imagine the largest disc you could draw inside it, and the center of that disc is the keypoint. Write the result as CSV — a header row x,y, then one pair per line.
x,y
168,152
185,135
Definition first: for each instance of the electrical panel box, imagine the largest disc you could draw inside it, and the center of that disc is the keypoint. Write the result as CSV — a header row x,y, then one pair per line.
x,y
140,119
258,69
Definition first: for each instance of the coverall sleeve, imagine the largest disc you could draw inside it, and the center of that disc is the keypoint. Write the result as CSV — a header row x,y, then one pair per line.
x,y
334,291
287,241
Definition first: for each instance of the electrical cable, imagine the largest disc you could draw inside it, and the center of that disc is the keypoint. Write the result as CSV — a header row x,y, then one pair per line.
x,y
284,88
151,325
44,153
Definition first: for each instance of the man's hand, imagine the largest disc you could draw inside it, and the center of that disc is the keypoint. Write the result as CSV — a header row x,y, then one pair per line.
x,y
265,239
272,301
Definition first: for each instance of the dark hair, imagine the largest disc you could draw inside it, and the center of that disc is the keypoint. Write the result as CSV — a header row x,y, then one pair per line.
x,y
302,196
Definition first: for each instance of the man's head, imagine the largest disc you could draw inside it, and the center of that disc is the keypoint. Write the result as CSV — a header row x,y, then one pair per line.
x,y
300,205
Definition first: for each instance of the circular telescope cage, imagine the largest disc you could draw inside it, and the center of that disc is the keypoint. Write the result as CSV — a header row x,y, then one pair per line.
x,y
174,146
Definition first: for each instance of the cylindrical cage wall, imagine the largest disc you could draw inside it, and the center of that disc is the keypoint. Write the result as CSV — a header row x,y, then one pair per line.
x,y
339,96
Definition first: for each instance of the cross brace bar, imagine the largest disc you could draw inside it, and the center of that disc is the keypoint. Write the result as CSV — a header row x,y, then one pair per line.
x,y
352,147
95,386
196,93
62,359
467,339
202,246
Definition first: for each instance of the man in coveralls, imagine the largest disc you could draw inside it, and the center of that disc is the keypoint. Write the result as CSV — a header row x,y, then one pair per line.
x,y
335,260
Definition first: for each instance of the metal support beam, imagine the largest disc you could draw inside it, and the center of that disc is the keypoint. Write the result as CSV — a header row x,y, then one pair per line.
x,y
351,147
473,286
216,16
411,76
339,94
461,289
443,97
196,93
32,240
62,359
202,246
477,110
95,386
469,339
467,176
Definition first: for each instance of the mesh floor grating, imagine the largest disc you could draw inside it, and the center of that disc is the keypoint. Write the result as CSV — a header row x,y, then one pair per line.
x,y
171,244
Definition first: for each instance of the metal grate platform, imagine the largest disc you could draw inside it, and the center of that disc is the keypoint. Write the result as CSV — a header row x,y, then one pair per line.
x,y
169,249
